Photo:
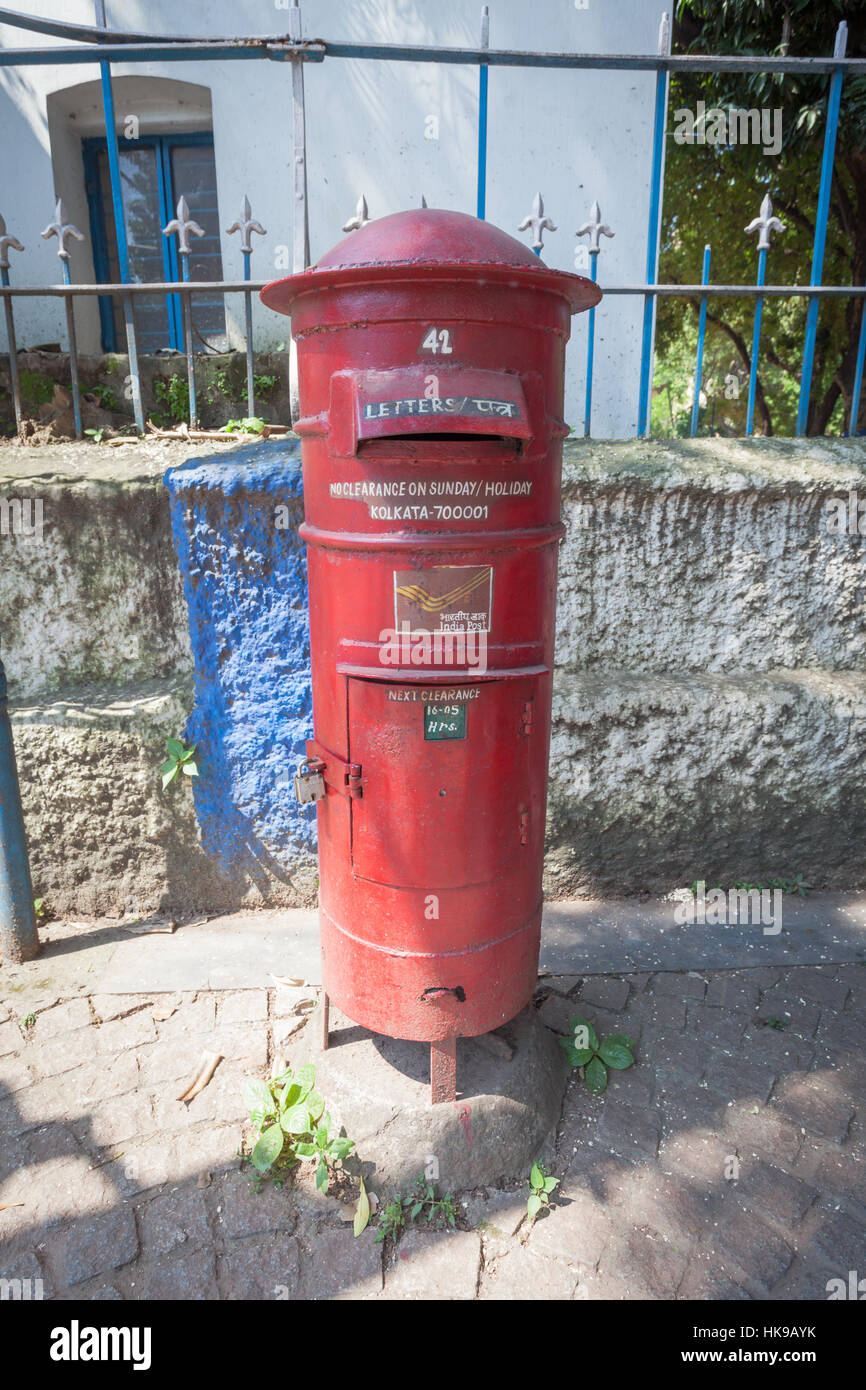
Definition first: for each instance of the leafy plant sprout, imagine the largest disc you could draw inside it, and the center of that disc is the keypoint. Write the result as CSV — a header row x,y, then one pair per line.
x,y
593,1056
251,424
174,394
179,760
541,1189
293,1125
441,1212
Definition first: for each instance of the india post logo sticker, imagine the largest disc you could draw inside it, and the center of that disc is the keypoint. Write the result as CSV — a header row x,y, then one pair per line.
x,y
447,598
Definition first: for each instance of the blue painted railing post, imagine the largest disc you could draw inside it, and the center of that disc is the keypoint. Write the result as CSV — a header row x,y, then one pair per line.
x,y
483,71
821,216
594,229
654,227
185,227
756,343
764,224
18,935
699,356
590,353
246,224
120,226
63,230
6,242
858,373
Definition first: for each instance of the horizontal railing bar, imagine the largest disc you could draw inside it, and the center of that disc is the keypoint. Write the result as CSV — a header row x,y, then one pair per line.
x,y
239,286
641,62
139,287
315,50
158,51
735,291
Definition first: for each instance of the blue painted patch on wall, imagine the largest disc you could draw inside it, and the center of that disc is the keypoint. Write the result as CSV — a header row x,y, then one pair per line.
x,y
235,519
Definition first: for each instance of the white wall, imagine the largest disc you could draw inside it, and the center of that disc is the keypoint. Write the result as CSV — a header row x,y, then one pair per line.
x,y
575,136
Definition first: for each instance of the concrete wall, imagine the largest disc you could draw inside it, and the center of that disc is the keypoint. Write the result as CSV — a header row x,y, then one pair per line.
x,y
710,707
575,136
710,695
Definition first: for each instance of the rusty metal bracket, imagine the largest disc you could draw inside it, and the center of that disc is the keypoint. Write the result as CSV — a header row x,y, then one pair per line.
x,y
341,776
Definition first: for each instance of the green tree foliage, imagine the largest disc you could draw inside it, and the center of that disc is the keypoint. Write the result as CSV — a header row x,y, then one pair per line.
x,y
713,190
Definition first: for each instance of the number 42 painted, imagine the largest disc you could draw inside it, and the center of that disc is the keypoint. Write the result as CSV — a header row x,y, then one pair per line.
x,y
437,340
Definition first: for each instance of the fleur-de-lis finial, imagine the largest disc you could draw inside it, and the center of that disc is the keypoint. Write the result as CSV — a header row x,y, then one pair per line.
x,y
6,242
62,230
765,223
184,226
594,229
360,219
538,222
664,43
245,224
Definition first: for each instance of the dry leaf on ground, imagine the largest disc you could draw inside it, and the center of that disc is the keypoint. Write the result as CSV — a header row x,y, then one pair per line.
x,y
209,1063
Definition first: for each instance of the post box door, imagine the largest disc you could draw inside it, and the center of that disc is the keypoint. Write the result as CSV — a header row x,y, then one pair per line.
x,y
447,793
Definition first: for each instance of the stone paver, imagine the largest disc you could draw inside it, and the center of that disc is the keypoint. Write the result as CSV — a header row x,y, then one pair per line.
x,y
243,1006
62,1019
173,1219
260,1268
520,1274
435,1265
730,1162
339,1265
10,1038
96,1244
604,992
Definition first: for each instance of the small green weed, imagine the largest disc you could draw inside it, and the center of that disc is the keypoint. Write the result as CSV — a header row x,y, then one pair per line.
x,y
541,1188
441,1212
293,1125
179,760
584,1049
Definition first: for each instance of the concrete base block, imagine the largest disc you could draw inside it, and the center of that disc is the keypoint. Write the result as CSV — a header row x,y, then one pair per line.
x,y
504,1117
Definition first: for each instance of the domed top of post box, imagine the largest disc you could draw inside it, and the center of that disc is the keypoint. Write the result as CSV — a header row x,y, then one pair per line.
x,y
431,243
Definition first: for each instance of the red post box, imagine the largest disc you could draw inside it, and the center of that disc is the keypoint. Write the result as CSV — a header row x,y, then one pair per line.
x,y
431,353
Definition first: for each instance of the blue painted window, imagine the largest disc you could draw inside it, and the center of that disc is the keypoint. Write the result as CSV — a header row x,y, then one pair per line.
x,y
155,171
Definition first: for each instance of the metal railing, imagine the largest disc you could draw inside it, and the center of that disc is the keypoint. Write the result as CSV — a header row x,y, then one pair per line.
x,y
102,47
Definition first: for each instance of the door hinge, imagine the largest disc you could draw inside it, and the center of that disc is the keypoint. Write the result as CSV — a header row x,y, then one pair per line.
x,y
342,777
527,717
524,827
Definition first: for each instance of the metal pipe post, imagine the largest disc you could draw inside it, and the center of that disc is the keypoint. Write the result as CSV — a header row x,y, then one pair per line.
x,y
654,229
858,374
18,935
821,216
595,229
699,356
756,343
483,72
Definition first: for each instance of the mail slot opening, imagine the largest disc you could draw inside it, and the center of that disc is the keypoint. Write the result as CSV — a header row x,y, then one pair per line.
x,y
459,446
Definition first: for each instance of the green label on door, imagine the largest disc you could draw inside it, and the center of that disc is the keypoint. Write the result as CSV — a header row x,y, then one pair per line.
x,y
444,721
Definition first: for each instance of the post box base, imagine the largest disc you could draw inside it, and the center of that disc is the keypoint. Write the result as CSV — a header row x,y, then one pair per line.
x,y
503,1119
429,997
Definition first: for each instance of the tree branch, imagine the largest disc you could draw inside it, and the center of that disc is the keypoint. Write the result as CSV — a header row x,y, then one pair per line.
x,y
795,215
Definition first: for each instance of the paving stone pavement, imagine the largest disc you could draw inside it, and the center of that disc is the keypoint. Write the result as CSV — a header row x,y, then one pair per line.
x,y
729,1163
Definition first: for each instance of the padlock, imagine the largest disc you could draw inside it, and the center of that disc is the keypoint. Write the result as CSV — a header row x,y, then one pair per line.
x,y
309,784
